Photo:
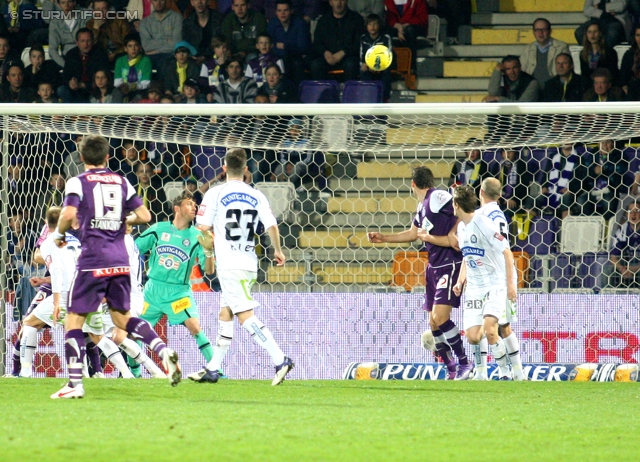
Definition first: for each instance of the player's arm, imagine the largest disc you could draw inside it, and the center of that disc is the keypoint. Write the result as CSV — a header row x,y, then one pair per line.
x,y
511,277
450,240
37,257
147,240
56,270
139,216
462,279
206,242
67,217
408,235
274,236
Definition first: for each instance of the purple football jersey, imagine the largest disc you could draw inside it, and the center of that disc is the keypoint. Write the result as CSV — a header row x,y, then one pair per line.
x,y
103,199
435,215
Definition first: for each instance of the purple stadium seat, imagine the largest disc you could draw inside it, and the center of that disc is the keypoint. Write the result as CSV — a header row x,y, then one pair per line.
x,y
319,91
542,237
357,92
591,270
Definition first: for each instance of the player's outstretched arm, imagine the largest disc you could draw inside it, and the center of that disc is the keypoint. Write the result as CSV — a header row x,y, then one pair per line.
x,y
140,216
205,238
408,235
67,217
274,236
462,279
511,277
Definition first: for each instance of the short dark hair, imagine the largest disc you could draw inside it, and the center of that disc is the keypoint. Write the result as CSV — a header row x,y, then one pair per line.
x,y
52,216
237,58
541,19
373,18
85,30
602,72
275,66
94,149
422,177
132,37
567,55
17,64
37,47
509,58
264,34
236,161
466,198
218,40
284,2
180,198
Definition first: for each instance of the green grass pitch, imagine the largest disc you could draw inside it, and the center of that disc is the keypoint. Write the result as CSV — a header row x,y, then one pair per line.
x,y
234,420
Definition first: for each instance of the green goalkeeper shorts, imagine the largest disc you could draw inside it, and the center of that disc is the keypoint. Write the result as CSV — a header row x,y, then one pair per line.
x,y
176,302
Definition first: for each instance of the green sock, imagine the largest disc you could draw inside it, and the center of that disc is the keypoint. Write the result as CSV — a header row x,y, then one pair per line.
x,y
204,345
134,366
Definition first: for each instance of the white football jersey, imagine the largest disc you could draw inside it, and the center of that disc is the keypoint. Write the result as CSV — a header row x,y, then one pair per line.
x,y
61,262
495,213
233,210
134,263
482,247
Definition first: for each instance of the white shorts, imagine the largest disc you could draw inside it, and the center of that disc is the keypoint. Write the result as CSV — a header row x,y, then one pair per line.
x,y
492,303
137,304
44,312
236,290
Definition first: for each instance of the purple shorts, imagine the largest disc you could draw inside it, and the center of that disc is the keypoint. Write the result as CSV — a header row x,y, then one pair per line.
x,y
89,287
439,289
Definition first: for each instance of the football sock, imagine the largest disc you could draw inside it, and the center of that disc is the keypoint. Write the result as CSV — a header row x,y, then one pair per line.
x,y
93,355
443,349
137,356
262,336
452,334
204,345
75,351
28,350
500,354
223,342
141,330
513,349
16,358
112,353
480,352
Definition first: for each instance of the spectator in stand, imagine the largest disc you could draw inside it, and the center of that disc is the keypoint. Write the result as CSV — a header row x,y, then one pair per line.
x,y
154,93
149,188
308,10
103,90
54,195
277,88
297,164
564,183
236,89
73,165
603,185
624,267
24,25
257,66
63,33
159,33
191,90
509,83
611,16
471,171
41,70
214,70
133,70
21,240
367,7
603,89
456,12
373,37
337,42
109,32
126,161
7,56
46,94
200,27
144,8
408,20
16,91
595,54
539,57
242,27
292,39
630,68
177,70
566,86
515,177
81,63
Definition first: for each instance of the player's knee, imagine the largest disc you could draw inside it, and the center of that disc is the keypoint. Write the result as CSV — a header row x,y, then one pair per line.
x,y
505,331
473,337
222,341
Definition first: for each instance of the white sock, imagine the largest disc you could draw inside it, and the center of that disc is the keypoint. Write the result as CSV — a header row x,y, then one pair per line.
x,y
263,337
133,350
113,354
513,349
28,344
223,342
480,352
500,355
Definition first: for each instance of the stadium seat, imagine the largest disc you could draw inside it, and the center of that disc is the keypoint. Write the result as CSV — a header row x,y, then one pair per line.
x,y
539,238
357,91
403,58
172,189
580,235
319,91
521,259
281,196
409,269
24,57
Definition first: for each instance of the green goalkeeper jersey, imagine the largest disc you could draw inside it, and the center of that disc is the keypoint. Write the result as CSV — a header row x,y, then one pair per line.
x,y
173,252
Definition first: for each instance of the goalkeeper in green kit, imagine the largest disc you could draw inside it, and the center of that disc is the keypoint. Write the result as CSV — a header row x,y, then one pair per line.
x,y
174,249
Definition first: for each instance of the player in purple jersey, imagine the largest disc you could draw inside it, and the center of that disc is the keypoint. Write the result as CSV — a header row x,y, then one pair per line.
x,y
102,201
435,224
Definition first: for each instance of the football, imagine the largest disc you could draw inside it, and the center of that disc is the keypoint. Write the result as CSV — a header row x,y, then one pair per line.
x,y
428,342
378,58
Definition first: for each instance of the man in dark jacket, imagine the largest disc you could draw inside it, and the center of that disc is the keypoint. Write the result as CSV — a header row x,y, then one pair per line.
x,y
509,83
337,42
200,27
566,86
16,91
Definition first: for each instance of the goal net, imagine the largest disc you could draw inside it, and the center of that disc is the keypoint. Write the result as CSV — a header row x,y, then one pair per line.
x,y
333,173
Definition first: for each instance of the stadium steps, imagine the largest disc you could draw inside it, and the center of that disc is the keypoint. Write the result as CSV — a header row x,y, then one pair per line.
x,y
392,219
435,134
343,238
373,254
462,97
540,6
557,19
400,169
371,204
468,68
510,36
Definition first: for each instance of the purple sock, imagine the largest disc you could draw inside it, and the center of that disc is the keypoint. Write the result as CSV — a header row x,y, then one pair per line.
x,y
75,351
452,334
16,358
443,349
141,330
93,355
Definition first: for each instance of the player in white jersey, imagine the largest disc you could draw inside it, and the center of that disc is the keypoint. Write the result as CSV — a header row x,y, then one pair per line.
x,y
487,274
490,192
234,210
61,263
119,336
